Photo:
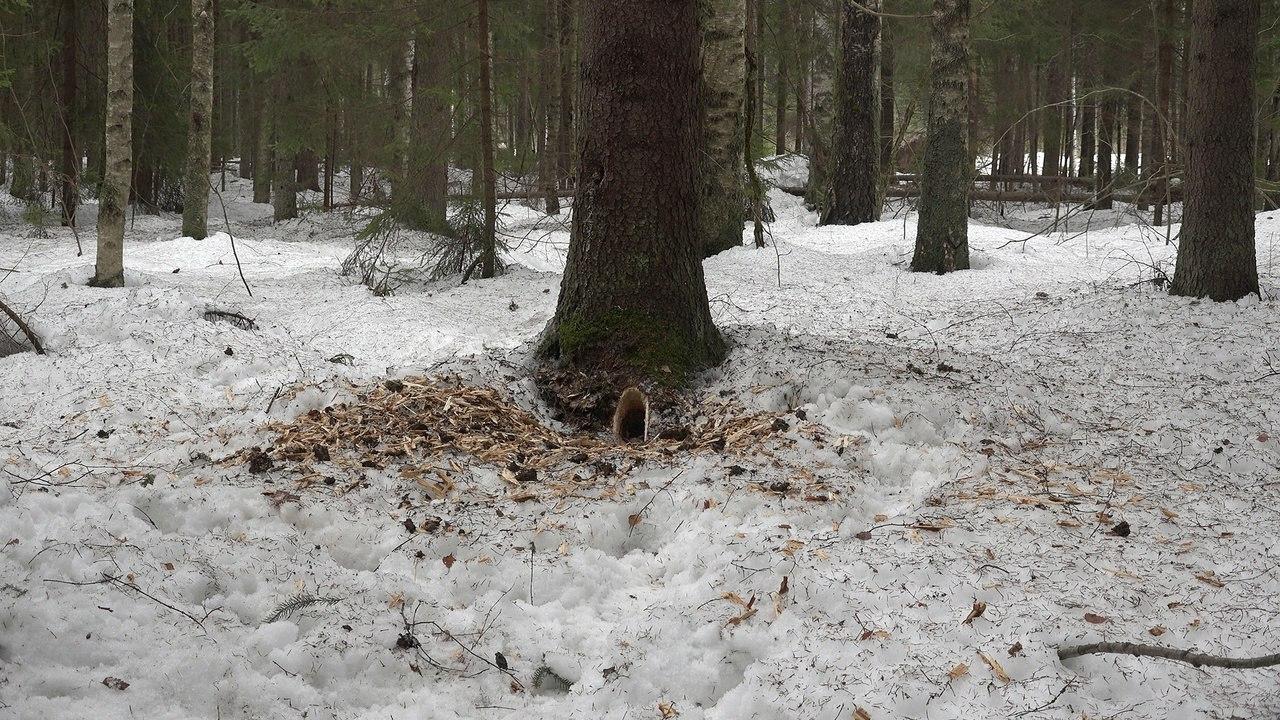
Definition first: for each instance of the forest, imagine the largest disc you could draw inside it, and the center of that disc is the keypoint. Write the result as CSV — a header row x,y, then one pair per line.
x,y
616,359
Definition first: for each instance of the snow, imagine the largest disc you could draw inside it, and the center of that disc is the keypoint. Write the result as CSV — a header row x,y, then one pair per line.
x,y
972,430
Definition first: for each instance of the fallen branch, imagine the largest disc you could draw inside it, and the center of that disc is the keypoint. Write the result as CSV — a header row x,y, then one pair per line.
x,y
1187,656
24,327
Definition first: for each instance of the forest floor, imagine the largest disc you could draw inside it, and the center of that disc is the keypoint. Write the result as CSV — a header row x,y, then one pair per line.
x,y
1049,443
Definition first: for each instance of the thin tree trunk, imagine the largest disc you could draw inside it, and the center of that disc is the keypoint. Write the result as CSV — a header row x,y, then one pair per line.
x,y
264,164
942,236
1107,133
1164,94
888,106
548,166
781,87
489,255
1217,256
70,167
195,196
855,187
114,195
565,136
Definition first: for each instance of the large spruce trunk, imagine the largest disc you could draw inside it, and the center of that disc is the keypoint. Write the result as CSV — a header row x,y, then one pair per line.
x,y
633,298
1217,257
942,237
70,168
114,195
723,24
195,196
855,182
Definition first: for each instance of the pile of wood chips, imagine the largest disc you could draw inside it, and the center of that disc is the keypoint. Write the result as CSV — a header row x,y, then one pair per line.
x,y
426,425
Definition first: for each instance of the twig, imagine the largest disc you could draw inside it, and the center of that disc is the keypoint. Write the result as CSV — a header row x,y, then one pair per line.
x,y
476,655
226,221
117,581
24,327
655,497
1187,656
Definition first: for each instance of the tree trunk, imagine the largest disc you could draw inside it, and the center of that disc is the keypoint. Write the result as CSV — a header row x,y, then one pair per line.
x,y
1088,121
1133,128
1107,133
195,196
429,151
782,86
70,167
1055,95
633,299
888,106
1217,257
824,36
855,187
489,177
1164,95
403,201
565,136
264,163
723,78
114,195
942,237
548,166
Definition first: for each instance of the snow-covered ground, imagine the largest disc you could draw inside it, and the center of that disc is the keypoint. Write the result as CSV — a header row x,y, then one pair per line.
x,y
946,441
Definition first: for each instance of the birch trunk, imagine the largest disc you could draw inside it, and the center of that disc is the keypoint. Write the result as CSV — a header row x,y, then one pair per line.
x,y
109,264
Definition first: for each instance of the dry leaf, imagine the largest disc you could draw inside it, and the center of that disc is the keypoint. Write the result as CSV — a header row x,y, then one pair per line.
x,y
1168,514
959,671
791,547
876,634
979,607
996,668
115,683
633,520
449,560
860,714
1095,618
1157,631
748,608
1070,522
1015,649
668,710
1209,577
937,525
780,595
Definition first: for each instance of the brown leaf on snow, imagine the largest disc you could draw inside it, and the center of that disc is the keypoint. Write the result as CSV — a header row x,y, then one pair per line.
x,y
958,671
1168,514
937,525
979,607
1157,631
1070,522
861,714
1209,577
633,520
668,710
791,547
875,634
1095,618
115,683
996,668
748,607
448,560
1015,649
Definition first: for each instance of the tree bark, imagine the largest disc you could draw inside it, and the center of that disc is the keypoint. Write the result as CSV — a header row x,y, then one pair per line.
x,y
489,178
70,168
633,298
783,80
723,82
888,99
565,136
855,187
429,152
1217,257
1107,133
264,160
1164,95
548,165
114,195
942,237
195,196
